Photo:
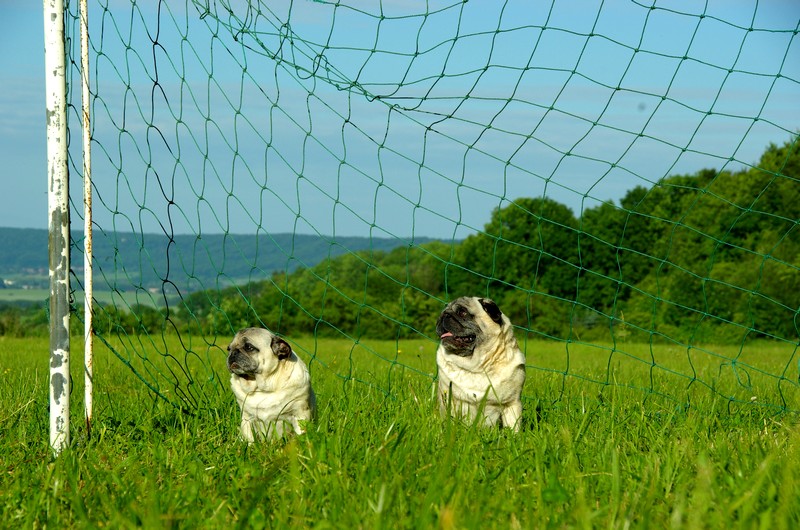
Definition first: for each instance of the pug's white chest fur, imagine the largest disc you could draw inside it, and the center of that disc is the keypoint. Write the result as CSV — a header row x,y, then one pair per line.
x,y
280,402
494,390
268,409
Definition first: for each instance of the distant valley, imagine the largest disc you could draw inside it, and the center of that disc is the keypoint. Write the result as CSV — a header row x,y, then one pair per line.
x,y
128,261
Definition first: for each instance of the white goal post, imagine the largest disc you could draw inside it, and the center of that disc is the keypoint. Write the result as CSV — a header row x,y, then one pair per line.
x,y
59,225
58,221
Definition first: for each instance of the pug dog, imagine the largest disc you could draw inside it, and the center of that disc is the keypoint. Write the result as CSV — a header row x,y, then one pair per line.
x,y
481,367
271,384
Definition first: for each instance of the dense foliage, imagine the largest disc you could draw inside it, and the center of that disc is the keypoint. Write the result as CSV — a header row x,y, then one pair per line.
x,y
713,256
710,256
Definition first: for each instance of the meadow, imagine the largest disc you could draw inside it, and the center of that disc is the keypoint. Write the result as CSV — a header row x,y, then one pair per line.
x,y
640,437
40,296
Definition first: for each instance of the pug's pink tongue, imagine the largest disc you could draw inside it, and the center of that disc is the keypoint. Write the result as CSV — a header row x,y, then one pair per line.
x,y
448,334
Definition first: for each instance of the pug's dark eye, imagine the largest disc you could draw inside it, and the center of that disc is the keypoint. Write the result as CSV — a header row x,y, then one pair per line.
x,y
462,312
248,347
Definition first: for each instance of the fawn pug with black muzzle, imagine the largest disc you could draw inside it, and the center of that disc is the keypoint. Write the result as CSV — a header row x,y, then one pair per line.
x,y
271,384
481,367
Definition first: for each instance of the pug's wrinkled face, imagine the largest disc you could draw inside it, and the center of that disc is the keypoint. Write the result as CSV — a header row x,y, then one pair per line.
x,y
256,351
466,323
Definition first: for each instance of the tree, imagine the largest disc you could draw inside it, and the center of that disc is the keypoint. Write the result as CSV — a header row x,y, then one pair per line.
x,y
532,244
601,279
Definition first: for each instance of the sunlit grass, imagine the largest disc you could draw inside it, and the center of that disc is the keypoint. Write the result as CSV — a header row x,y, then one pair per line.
x,y
606,444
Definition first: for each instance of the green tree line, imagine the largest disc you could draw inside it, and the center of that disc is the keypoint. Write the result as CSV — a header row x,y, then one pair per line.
x,y
708,257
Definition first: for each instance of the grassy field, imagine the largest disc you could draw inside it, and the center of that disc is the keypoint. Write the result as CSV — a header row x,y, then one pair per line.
x,y
40,296
24,295
640,437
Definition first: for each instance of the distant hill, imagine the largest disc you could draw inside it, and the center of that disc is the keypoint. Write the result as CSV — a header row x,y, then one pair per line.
x,y
191,262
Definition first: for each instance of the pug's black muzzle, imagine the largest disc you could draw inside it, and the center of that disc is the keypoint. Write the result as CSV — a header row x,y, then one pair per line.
x,y
458,338
241,364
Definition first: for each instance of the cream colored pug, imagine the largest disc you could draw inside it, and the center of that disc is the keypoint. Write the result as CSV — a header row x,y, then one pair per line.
x,y
481,367
271,384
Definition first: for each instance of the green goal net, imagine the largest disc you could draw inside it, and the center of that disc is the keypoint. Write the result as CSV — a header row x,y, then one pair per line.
x,y
622,178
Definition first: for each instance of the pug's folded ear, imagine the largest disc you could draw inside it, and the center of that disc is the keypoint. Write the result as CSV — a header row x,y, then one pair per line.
x,y
280,348
492,310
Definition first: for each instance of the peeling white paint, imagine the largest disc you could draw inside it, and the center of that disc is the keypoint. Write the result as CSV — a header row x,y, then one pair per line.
x,y
58,221
56,359
59,387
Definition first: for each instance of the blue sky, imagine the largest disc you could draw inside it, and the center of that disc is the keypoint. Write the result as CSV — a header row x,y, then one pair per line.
x,y
570,100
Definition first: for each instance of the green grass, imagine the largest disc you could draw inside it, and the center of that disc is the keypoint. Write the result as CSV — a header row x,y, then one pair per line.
x,y
23,295
623,452
41,296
